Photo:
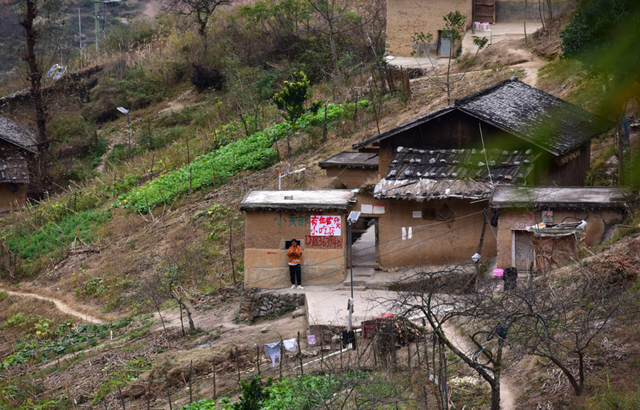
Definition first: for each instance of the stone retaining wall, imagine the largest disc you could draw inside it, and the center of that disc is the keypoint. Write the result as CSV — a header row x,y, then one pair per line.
x,y
257,305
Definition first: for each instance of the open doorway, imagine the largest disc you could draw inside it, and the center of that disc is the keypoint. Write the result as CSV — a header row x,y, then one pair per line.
x,y
365,242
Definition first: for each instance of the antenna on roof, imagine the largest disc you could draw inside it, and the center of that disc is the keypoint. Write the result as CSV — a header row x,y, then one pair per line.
x,y
286,173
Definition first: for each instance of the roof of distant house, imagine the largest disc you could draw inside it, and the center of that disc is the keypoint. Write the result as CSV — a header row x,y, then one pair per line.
x,y
348,159
17,134
454,173
548,122
297,200
559,197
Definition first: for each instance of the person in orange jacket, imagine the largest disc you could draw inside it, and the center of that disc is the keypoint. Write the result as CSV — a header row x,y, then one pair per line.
x,y
295,272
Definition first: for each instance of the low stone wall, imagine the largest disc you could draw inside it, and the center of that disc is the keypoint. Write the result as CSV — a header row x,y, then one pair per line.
x,y
257,305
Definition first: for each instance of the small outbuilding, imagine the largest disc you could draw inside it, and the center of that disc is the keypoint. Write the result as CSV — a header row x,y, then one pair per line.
x,y
540,227
315,218
352,169
16,145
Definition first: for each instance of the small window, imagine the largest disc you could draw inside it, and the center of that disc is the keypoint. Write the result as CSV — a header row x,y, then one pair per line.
x,y
287,244
428,214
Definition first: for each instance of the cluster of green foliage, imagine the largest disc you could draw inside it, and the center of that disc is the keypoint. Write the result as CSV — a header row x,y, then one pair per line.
x,y
252,153
54,236
303,392
38,325
65,339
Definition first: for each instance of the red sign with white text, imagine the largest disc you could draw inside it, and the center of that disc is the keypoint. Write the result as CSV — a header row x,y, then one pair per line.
x,y
326,225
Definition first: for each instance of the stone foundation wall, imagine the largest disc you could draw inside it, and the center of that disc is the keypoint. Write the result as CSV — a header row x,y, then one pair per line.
x,y
255,306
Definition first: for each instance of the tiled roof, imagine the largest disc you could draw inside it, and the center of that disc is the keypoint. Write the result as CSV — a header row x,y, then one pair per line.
x,y
524,111
351,160
546,197
459,173
17,134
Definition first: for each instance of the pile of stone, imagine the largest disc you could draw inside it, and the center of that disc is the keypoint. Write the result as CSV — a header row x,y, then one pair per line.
x,y
265,305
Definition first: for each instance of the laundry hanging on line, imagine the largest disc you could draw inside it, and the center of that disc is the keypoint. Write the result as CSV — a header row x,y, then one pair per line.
x,y
311,339
272,350
290,345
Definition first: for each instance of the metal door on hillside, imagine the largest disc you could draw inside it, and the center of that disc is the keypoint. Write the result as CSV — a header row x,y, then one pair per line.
x,y
523,252
484,11
444,45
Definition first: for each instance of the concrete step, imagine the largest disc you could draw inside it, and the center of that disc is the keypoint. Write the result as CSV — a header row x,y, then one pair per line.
x,y
360,270
356,282
355,288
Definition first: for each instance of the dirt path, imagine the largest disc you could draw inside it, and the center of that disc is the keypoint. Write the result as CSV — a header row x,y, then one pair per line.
x,y
507,395
63,307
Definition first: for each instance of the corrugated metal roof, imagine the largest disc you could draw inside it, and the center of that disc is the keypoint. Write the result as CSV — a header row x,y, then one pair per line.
x,y
15,170
524,111
455,173
297,200
351,160
559,197
17,134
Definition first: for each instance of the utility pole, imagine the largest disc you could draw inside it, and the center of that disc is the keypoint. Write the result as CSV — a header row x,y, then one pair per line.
x,y
352,218
97,16
80,36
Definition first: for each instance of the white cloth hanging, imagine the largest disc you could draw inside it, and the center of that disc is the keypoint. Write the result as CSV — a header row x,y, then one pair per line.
x,y
272,350
291,345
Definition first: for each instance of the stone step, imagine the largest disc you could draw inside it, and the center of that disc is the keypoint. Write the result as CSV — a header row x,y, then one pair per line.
x,y
365,265
355,288
365,271
355,282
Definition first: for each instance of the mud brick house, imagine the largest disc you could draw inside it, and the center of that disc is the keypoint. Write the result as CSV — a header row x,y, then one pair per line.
x,y
351,168
316,218
407,17
438,171
16,145
569,214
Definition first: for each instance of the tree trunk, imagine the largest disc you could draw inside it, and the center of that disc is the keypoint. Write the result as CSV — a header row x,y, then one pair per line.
x,y
621,178
192,326
233,267
572,380
495,395
34,75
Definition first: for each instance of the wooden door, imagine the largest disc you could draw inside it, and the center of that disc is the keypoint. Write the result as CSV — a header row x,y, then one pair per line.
x,y
523,252
484,11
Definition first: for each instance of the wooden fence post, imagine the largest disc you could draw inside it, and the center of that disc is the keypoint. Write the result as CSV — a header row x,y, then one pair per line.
x,y
300,353
215,396
190,382
238,363
258,359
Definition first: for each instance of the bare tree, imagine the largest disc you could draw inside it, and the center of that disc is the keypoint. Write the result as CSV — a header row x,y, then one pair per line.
x,y
562,322
41,20
435,295
201,10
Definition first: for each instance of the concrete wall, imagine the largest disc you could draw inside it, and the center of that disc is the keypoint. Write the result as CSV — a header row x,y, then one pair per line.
x,y
598,222
438,237
10,200
265,256
352,177
513,10
406,17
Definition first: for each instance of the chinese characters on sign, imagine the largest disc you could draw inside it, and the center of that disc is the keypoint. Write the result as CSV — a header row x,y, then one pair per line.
x,y
292,220
327,242
322,225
